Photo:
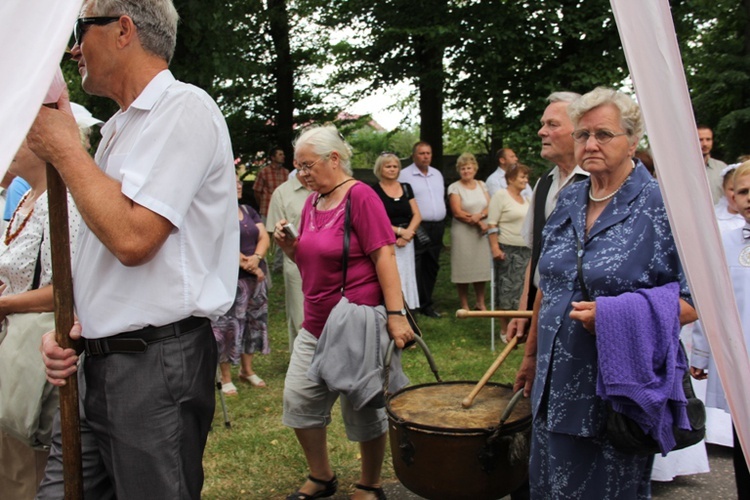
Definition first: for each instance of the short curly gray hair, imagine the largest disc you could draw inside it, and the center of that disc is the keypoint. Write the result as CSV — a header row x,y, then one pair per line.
x,y
324,140
630,113
156,21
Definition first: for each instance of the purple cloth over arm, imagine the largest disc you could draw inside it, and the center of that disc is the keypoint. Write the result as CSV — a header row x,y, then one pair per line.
x,y
641,364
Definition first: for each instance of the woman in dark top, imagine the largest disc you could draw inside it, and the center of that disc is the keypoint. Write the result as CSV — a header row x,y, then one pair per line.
x,y
243,330
403,213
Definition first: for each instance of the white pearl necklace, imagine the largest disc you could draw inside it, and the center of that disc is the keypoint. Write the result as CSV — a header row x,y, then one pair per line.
x,y
610,195
605,198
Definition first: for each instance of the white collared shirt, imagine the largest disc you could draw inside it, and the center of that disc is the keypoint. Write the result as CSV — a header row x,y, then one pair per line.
x,y
172,154
429,191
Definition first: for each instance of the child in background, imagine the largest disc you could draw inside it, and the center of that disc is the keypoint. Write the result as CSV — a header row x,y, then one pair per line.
x,y
726,209
737,253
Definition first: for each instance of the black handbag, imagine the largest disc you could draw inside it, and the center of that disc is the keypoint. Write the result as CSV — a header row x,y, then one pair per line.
x,y
626,435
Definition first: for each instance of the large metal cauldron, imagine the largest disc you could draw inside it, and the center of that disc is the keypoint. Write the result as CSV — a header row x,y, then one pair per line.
x,y
442,451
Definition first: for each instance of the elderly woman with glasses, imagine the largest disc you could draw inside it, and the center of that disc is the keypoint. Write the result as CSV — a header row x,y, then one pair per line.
x,y
611,290
369,281
403,212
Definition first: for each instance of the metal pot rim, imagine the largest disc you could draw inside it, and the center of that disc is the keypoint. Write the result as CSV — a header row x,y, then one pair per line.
x,y
508,428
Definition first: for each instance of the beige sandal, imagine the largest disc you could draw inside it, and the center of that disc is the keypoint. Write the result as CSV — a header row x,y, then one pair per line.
x,y
253,380
229,389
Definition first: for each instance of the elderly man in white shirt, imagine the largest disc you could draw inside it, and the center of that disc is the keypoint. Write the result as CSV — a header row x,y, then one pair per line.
x,y
429,191
159,256
557,147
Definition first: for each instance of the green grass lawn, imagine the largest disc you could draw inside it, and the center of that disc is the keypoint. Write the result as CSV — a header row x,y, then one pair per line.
x,y
259,458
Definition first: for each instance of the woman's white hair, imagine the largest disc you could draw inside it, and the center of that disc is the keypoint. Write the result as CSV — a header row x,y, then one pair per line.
x,y
382,159
630,113
324,140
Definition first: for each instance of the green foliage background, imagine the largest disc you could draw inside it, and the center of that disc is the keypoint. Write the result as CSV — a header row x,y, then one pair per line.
x,y
497,62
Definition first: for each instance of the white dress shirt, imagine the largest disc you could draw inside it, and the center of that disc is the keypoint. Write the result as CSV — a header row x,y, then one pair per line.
x,y
172,153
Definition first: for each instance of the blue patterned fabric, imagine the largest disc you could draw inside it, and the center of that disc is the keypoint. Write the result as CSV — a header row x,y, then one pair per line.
x,y
581,468
629,247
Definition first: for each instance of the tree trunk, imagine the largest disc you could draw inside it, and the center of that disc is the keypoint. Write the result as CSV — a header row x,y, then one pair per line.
x,y
431,80
284,72
496,122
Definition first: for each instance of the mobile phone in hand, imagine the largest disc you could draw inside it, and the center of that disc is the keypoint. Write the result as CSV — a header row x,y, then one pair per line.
x,y
290,231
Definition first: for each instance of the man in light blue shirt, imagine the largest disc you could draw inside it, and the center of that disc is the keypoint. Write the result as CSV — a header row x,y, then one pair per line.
x,y
506,158
429,191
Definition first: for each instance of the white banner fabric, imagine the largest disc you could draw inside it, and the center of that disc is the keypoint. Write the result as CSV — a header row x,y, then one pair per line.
x,y
34,34
648,37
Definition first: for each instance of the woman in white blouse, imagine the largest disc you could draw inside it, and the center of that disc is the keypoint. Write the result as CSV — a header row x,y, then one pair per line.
x,y
26,275
507,212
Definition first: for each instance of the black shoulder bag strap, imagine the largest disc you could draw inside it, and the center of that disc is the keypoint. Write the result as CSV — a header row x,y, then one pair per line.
x,y
345,256
584,290
38,267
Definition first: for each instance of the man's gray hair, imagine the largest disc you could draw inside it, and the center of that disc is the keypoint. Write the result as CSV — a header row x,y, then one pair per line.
x,y
324,140
563,97
630,113
155,20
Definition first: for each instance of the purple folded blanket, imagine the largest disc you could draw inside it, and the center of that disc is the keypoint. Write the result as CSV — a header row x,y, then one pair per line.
x,y
641,364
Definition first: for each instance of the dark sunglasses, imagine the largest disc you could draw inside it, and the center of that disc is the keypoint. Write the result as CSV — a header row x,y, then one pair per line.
x,y
82,24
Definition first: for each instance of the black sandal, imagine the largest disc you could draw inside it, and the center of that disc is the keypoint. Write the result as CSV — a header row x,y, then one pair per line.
x,y
329,489
379,493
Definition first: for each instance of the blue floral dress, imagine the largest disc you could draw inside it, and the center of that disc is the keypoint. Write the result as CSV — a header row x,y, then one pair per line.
x,y
630,246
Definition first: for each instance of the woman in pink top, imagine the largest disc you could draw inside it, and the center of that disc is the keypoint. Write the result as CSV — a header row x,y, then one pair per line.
x,y
323,159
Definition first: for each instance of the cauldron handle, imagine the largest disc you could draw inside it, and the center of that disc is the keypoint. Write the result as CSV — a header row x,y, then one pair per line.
x,y
488,456
511,406
389,356
494,436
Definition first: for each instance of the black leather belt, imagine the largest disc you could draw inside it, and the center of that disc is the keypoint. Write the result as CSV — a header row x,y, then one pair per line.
x,y
137,341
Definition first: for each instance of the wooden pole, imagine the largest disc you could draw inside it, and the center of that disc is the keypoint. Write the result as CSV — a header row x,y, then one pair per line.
x,y
63,294
463,314
468,400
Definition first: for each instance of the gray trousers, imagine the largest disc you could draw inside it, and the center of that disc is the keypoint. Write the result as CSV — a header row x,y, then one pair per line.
x,y
147,418
96,483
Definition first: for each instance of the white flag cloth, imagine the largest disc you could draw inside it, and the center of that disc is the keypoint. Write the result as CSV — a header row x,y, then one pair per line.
x,y
650,43
34,34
